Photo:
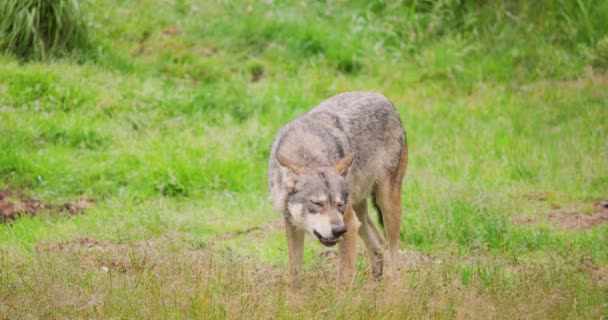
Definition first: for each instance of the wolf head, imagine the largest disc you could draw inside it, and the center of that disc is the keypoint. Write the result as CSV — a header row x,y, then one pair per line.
x,y
317,198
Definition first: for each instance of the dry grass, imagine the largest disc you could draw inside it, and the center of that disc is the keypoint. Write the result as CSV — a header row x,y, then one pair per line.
x,y
166,278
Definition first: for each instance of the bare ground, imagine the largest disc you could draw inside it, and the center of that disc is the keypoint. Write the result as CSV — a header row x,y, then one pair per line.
x,y
578,220
14,204
566,219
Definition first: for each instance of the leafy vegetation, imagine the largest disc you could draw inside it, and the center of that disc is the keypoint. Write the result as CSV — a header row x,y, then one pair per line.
x,y
166,119
42,29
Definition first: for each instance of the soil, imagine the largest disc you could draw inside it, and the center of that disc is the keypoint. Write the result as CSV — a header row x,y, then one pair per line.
x,y
577,220
14,204
569,220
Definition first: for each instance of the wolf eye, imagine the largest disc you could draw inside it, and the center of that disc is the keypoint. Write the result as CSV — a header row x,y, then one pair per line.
x,y
318,204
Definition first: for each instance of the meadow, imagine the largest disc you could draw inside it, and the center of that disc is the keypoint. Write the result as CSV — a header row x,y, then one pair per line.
x,y
163,121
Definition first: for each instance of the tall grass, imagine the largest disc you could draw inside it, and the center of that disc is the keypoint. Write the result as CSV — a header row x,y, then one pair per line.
x,y
545,38
562,20
40,29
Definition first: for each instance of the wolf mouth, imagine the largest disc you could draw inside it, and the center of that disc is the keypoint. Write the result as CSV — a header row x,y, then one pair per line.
x,y
328,242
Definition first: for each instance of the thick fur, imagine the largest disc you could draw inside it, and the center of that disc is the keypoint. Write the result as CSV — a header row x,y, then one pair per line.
x,y
322,167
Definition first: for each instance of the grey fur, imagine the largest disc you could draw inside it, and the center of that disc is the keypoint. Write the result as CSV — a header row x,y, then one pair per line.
x,y
361,123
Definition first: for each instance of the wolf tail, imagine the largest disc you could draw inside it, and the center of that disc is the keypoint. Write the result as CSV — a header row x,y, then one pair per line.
x,y
375,203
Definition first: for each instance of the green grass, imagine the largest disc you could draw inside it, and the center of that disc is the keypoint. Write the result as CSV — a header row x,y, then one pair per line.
x,y
167,119
42,29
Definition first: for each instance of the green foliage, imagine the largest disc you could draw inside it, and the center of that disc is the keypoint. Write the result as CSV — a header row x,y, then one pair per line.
x,y
511,39
41,29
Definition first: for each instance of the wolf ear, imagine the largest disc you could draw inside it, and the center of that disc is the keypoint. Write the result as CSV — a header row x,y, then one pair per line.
x,y
296,168
341,167
291,172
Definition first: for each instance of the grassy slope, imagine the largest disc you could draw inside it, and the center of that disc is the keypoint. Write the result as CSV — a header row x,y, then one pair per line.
x,y
165,127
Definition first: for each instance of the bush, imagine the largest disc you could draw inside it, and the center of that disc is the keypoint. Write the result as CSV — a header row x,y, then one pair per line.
x,y
40,29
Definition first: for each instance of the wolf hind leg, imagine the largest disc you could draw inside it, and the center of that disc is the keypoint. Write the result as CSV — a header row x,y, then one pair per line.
x,y
372,239
388,197
389,201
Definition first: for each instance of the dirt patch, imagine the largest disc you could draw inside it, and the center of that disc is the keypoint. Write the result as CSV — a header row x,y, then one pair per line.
x,y
577,220
15,204
568,220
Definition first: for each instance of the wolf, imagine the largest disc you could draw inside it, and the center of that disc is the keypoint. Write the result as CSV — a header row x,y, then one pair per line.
x,y
324,165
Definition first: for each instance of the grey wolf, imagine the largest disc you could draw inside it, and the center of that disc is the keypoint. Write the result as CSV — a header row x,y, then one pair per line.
x,y
322,168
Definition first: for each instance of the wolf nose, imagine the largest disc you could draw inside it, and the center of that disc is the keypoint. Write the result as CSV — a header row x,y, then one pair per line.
x,y
338,231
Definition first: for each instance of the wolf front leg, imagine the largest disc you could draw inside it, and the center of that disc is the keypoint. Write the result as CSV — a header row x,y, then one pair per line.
x,y
348,248
295,246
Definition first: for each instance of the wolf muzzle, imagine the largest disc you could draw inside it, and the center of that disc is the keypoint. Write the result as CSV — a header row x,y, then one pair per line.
x,y
330,242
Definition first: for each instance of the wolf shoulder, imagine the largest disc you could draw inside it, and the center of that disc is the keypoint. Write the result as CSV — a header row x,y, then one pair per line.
x,y
362,113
